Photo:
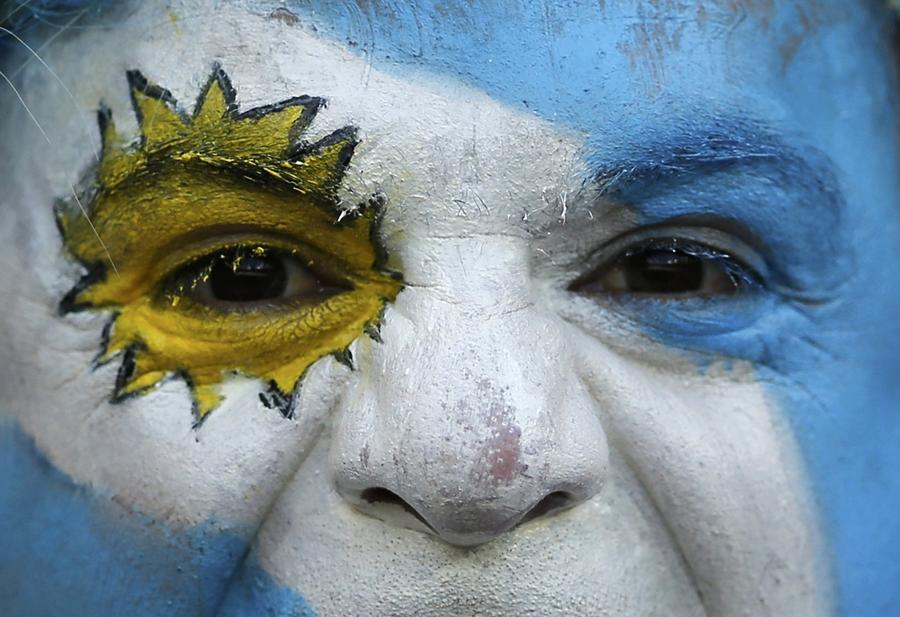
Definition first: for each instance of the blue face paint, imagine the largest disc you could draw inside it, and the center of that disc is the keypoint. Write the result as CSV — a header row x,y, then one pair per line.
x,y
67,549
823,199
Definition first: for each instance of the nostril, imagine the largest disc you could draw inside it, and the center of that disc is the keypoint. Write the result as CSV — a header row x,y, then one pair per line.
x,y
549,505
380,495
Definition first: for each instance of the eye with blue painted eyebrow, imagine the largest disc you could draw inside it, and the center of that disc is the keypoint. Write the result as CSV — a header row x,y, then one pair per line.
x,y
668,268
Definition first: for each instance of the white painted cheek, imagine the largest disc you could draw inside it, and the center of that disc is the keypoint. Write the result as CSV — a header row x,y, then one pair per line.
x,y
719,463
145,451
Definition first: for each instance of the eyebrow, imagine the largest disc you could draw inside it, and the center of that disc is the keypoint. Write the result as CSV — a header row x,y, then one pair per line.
x,y
777,170
697,153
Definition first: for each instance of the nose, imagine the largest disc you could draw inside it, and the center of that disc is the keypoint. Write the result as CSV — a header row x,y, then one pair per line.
x,y
466,428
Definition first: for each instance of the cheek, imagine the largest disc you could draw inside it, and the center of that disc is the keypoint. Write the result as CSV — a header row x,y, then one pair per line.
x,y
718,460
71,537
145,450
131,494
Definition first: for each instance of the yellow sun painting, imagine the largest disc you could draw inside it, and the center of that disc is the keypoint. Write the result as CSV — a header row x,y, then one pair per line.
x,y
219,245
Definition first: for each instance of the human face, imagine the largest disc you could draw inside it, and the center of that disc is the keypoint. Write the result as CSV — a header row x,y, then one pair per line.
x,y
529,419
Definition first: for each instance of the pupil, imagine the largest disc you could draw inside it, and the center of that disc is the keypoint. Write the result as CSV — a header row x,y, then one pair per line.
x,y
248,279
663,271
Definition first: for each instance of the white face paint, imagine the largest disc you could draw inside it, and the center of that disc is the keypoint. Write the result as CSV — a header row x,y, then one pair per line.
x,y
494,392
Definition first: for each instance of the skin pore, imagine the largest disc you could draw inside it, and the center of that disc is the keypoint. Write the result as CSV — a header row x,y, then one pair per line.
x,y
544,422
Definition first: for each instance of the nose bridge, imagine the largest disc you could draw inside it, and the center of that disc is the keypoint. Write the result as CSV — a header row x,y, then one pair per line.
x,y
472,420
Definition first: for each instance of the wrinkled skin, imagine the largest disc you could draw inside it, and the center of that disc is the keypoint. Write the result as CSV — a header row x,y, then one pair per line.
x,y
565,453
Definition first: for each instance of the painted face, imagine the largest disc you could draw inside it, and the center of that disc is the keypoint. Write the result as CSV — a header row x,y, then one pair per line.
x,y
451,308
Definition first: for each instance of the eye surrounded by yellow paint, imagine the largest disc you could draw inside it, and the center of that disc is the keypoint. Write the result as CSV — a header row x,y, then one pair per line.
x,y
220,246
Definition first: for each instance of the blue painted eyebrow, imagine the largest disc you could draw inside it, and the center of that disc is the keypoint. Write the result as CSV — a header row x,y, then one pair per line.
x,y
686,154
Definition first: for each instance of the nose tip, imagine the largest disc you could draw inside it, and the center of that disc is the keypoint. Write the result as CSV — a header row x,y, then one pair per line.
x,y
469,483
474,475
466,525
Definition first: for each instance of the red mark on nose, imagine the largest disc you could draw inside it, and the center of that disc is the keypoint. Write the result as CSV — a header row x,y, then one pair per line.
x,y
503,452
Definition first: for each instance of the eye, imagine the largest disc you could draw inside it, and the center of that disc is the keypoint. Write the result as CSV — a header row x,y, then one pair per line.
x,y
241,278
669,268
